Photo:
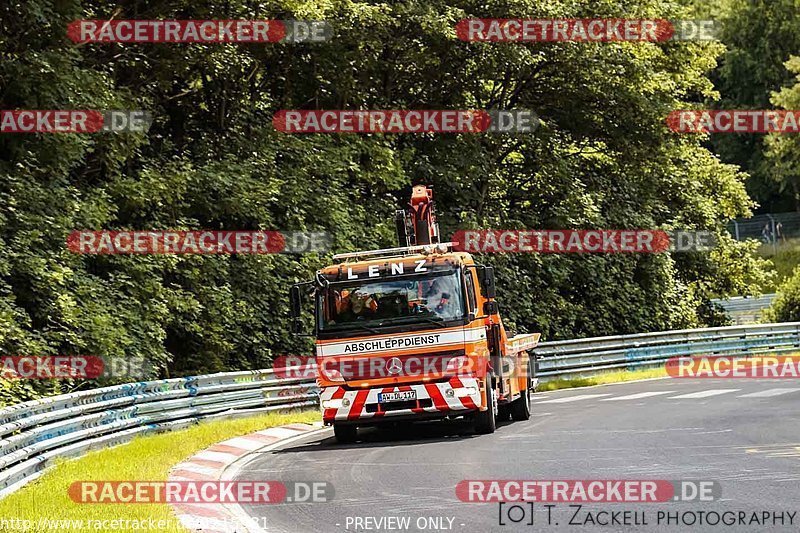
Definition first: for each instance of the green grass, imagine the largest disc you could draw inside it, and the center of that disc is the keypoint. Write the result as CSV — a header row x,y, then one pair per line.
x,y
147,458
601,379
785,257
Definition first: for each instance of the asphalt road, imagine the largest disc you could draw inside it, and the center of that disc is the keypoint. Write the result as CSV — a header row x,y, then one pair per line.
x,y
744,434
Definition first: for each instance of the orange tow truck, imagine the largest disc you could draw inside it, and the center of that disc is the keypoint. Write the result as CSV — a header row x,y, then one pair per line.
x,y
413,333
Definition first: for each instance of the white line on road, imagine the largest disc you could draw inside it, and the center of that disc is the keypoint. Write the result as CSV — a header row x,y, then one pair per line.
x,y
637,396
768,393
574,398
702,394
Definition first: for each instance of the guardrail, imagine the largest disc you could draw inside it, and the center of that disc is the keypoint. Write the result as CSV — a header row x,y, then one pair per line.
x,y
33,434
576,358
746,303
746,309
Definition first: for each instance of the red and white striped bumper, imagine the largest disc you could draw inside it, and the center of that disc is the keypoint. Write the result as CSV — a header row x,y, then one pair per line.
x,y
458,394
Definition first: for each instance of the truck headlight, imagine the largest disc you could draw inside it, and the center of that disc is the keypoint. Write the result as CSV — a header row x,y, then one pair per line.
x,y
465,391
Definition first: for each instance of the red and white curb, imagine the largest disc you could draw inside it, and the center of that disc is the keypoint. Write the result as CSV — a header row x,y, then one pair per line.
x,y
210,465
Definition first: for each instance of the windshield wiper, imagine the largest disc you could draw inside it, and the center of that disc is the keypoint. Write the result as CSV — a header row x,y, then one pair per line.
x,y
391,322
362,326
350,326
439,322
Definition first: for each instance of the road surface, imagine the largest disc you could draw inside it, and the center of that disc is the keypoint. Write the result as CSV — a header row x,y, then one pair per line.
x,y
744,434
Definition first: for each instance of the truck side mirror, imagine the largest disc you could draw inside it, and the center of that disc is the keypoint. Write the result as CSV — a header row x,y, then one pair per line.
x,y
295,307
294,301
488,282
490,308
485,280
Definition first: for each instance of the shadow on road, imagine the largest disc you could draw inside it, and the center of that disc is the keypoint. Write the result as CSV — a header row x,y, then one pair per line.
x,y
398,434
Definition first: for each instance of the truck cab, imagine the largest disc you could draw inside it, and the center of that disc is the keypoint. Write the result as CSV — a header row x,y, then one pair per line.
x,y
413,333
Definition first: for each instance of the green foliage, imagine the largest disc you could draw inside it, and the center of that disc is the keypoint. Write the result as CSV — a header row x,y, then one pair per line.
x,y
783,151
785,258
602,158
760,35
786,306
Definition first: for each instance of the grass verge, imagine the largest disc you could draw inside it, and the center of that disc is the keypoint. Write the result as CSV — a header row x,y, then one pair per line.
x,y
147,458
601,379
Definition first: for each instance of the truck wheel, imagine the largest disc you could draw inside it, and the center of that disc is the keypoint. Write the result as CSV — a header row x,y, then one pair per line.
x,y
521,407
486,421
345,434
503,413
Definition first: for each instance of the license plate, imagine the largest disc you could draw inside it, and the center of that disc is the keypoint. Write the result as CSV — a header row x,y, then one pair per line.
x,y
402,396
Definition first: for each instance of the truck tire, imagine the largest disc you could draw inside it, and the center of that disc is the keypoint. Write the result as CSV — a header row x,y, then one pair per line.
x,y
486,421
521,407
345,434
503,412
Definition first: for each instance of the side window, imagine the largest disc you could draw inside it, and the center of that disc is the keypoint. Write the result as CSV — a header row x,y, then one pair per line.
x,y
473,305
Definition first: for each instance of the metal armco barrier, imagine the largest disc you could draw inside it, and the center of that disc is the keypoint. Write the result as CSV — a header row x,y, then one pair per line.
x,y
33,434
584,357
746,310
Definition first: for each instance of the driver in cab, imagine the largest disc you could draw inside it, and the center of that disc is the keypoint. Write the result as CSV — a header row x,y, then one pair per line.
x,y
351,306
363,305
438,296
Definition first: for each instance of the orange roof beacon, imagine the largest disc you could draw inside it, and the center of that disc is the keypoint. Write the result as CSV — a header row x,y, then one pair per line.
x,y
414,333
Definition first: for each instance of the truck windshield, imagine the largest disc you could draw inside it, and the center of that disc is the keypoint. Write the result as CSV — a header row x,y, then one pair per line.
x,y
435,297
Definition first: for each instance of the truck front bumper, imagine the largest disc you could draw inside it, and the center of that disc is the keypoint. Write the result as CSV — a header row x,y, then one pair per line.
x,y
457,396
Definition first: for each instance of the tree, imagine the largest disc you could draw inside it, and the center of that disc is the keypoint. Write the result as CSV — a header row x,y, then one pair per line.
x,y
786,306
783,151
760,35
602,158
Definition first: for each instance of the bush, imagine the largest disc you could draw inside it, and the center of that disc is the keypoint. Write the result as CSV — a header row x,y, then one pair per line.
x,y
786,306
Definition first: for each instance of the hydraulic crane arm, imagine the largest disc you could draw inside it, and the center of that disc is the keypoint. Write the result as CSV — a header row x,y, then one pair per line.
x,y
417,225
